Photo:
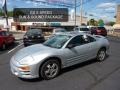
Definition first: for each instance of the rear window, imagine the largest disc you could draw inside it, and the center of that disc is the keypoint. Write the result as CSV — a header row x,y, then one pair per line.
x,y
84,29
101,28
4,33
93,28
34,32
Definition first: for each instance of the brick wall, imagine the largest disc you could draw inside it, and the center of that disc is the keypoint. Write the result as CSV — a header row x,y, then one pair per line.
x,y
118,15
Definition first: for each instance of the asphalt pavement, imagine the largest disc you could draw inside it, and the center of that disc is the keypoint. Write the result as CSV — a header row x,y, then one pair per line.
x,y
90,75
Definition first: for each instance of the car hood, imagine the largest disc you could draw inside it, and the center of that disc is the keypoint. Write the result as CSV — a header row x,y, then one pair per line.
x,y
31,50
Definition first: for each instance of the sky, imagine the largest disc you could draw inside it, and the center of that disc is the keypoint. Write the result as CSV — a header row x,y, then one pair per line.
x,y
97,9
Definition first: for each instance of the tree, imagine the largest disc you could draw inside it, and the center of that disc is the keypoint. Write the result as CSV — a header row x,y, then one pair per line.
x,y
10,13
110,23
101,23
92,22
1,14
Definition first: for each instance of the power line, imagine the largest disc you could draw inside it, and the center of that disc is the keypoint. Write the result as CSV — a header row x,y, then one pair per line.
x,y
64,4
54,4
85,2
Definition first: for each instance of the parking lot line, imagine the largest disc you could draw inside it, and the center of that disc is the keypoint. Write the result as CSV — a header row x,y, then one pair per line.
x,y
14,48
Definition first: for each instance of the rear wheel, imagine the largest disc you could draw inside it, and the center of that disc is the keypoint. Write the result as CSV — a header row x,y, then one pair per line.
x,y
3,46
101,55
50,69
25,45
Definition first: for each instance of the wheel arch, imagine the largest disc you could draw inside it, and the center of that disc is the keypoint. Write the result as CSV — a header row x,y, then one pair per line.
x,y
53,57
103,47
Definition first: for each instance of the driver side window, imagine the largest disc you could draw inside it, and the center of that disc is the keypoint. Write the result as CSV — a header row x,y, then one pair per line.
x,y
77,41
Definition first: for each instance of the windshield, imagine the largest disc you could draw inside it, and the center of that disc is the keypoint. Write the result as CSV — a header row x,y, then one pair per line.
x,y
57,41
101,28
34,32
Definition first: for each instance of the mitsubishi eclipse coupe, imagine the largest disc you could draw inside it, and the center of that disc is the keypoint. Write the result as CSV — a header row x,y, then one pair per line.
x,y
63,50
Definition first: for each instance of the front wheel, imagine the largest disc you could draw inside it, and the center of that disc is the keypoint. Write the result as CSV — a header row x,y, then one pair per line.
x,y
101,55
50,69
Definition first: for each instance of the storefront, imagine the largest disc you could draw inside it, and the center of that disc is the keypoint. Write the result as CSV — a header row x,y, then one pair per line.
x,y
23,26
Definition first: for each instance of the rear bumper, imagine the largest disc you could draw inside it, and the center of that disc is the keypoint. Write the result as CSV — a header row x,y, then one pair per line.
x,y
102,34
32,42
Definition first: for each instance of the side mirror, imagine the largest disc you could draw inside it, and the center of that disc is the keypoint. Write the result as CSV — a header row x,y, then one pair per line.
x,y
71,46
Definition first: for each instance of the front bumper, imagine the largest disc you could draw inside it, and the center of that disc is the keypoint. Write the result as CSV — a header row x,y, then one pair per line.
x,y
28,42
31,74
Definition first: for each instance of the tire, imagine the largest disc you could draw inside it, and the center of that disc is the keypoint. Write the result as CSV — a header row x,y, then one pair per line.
x,y
4,46
101,55
25,45
50,69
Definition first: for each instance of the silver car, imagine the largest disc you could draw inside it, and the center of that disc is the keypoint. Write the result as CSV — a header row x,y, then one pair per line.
x,y
63,50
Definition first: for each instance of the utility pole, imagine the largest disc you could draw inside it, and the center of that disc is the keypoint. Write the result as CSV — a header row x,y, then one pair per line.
x,y
75,13
6,16
81,2
4,7
7,24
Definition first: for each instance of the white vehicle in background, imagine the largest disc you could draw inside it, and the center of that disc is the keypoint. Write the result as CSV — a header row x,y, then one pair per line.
x,y
82,29
59,30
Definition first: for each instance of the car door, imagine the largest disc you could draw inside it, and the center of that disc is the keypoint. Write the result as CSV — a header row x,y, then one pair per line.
x,y
1,39
93,47
4,37
78,53
8,37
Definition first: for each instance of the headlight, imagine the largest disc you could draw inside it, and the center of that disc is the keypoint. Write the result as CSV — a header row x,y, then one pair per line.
x,y
26,61
24,68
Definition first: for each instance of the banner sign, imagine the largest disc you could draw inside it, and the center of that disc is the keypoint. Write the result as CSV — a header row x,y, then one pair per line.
x,y
40,14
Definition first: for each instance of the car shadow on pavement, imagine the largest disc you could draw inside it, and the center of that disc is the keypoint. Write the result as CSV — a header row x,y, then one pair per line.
x,y
80,65
32,80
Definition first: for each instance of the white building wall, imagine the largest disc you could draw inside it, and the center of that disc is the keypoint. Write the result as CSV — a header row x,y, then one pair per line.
x,y
3,22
